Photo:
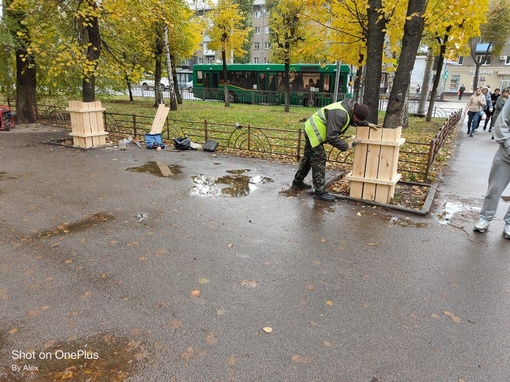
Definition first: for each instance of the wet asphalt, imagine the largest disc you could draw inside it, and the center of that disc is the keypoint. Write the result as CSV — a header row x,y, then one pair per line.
x,y
217,272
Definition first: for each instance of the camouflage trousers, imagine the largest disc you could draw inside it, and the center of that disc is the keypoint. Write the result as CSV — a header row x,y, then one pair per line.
x,y
314,158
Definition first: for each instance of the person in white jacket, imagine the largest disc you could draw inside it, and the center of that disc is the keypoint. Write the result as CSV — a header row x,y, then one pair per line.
x,y
499,176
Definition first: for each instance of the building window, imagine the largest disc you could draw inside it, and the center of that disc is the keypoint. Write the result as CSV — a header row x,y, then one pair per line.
x,y
461,60
256,60
454,83
256,45
258,14
507,61
266,45
266,30
257,30
483,60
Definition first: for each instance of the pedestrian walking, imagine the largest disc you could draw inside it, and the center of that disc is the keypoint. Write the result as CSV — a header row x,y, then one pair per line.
x,y
474,109
494,97
327,125
487,108
462,89
499,176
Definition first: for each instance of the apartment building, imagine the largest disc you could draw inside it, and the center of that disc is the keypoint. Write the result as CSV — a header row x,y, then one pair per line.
x,y
260,46
494,72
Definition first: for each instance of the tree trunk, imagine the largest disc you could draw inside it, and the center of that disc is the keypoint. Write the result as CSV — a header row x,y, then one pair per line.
x,y
93,53
173,98
426,83
413,29
375,45
437,77
26,99
225,78
287,85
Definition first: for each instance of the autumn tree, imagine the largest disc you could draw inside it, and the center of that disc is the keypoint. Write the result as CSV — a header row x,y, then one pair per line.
x,y
227,35
26,100
287,31
413,29
449,27
495,33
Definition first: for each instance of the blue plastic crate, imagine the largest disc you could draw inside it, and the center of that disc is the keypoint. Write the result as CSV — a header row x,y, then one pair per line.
x,y
153,141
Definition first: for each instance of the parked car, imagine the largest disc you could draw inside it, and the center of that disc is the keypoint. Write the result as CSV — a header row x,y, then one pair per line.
x,y
147,84
189,86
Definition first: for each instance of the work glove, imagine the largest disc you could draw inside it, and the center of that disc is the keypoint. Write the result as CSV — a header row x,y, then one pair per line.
x,y
353,144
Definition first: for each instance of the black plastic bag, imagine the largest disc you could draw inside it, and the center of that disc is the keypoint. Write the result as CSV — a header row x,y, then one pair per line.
x,y
183,143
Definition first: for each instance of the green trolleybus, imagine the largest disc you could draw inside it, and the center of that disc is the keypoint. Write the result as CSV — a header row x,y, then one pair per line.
x,y
310,84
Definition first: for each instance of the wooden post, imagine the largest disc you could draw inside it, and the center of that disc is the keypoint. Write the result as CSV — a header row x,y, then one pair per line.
x,y
374,170
87,124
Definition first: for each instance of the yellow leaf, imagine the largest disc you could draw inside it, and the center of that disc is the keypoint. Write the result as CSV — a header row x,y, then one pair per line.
x,y
329,303
300,359
267,329
203,280
13,331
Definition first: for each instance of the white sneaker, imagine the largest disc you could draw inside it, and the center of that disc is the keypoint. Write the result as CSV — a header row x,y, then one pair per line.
x,y
483,225
506,231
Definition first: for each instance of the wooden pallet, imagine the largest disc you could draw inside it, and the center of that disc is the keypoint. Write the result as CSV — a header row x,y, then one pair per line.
x,y
374,170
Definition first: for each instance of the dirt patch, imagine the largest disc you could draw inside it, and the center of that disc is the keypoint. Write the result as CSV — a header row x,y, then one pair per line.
x,y
407,195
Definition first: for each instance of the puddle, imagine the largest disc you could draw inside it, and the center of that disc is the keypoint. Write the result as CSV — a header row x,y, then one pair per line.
x,y
456,209
229,185
158,169
407,222
89,222
98,358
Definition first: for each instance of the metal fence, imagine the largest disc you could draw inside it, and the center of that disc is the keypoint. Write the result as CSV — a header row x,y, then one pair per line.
x,y
416,159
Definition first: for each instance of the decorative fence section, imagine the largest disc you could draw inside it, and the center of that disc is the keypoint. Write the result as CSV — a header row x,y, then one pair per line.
x,y
415,160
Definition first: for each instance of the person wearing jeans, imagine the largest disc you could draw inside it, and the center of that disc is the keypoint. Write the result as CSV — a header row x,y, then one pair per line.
x,y
474,109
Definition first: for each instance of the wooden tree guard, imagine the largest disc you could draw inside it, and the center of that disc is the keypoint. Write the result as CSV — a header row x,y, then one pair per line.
x,y
87,124
374,170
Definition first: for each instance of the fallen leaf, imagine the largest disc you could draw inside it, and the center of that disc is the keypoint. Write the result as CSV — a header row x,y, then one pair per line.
x,y
203,280
13,331
435,316
327,344
211,338
453,317
267,329
329,303
300,359
195,293
69,261
230,245
249,283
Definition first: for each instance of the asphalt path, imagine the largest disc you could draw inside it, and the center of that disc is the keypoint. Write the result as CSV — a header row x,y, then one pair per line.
x,y
218,272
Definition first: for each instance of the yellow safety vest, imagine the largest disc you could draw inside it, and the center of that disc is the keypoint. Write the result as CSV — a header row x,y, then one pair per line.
x,y
315,126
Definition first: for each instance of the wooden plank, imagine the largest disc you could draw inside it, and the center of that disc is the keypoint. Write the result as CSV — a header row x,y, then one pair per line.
x,y
359,161
159,120
387,165
372,165
165,170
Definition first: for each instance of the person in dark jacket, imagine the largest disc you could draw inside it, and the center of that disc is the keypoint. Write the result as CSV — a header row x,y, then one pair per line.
x,y
327,125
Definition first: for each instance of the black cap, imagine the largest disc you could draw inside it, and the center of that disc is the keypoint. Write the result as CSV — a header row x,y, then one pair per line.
x,y
361,111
